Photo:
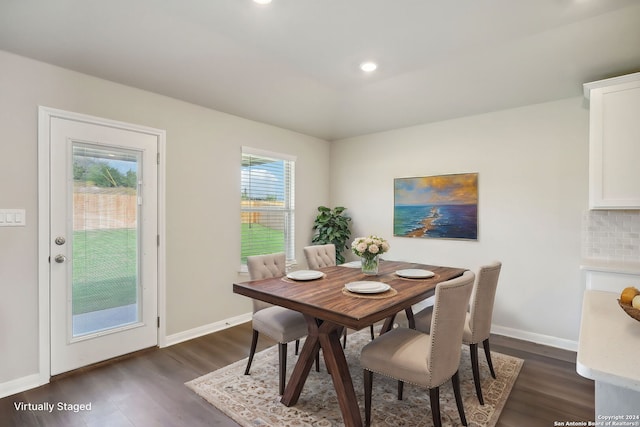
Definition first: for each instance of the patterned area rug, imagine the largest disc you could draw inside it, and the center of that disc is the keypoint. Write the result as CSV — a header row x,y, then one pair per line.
x,y
252,400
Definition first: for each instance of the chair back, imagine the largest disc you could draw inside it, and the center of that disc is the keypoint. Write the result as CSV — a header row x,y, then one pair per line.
x,y
482,298
319,256
266,267
447,324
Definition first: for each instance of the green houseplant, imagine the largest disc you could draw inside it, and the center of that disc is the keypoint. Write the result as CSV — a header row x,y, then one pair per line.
x,y
332,226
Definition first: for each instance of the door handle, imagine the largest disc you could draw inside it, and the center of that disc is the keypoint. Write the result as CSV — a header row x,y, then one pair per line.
x,y
60,258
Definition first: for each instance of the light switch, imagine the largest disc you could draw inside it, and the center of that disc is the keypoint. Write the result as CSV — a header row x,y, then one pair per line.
x,y
12,217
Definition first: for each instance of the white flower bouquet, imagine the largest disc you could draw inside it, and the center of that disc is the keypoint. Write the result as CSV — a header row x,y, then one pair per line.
x,y
369,247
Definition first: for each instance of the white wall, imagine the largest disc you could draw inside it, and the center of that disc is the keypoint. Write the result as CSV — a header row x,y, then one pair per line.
x,y
533,176
203,194
532,165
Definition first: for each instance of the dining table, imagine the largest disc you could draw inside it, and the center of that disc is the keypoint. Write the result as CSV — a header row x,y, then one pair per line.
x,y
329,306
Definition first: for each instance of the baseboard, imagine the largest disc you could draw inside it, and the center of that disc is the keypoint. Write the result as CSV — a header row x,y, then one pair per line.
x,y
495,329
205,329
31,381
21,384
535,338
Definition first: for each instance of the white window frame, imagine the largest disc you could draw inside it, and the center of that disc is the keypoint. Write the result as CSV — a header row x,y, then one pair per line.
x,y
289,199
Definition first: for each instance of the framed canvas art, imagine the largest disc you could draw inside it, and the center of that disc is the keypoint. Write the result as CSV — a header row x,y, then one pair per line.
x,y
441,207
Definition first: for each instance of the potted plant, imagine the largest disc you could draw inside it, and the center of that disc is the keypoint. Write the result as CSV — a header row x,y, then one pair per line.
x,y
332,226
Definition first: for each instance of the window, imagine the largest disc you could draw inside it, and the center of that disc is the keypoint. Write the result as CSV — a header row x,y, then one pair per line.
x,y
267,204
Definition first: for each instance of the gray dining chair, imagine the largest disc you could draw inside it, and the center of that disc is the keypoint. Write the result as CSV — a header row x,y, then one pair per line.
x,y
319,256
427,360
279,323
477,328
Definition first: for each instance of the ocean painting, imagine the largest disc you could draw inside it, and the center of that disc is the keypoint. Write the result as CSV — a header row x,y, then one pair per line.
x,y
441,207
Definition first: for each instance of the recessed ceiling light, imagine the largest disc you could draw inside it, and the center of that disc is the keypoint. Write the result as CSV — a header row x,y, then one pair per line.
x,y
368,67
262,1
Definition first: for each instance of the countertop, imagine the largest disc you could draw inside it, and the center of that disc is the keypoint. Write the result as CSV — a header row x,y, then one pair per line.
x,y
609,342
604,266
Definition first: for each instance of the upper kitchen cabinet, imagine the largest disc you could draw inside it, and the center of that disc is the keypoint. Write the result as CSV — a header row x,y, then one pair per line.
x,y
614,142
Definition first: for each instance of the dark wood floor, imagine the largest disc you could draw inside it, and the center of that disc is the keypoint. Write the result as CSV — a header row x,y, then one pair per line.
x,y
147,388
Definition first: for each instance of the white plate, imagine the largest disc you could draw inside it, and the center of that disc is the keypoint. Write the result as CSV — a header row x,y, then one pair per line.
x,y
305,275
352,264
415,273
367,287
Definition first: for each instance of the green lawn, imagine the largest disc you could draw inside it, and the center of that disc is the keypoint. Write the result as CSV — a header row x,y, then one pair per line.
x,y
105,264
257,232
104,269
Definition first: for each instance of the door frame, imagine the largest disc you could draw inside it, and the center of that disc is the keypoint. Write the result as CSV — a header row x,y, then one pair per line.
x,y
45,114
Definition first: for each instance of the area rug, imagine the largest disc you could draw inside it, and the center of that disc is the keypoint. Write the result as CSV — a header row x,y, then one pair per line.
x,y
252,400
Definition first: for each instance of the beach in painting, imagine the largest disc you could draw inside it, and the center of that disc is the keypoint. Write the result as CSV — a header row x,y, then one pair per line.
x,y
440,206
439,221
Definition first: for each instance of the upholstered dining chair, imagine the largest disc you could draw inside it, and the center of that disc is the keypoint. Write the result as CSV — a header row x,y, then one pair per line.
x,y
319,256
427,360
477,328
279,323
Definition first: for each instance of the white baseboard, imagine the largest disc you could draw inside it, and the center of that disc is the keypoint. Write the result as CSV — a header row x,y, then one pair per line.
x,y
206,329
535,338
495,329
28,382
21,384
35,380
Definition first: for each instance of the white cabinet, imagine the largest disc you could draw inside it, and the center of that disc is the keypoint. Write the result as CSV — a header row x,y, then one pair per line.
x,y
614,142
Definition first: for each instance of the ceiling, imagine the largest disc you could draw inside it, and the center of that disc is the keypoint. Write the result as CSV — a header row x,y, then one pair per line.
x,y
294,63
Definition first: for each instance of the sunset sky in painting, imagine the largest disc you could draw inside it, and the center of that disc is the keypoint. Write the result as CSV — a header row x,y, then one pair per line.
x,y
460,189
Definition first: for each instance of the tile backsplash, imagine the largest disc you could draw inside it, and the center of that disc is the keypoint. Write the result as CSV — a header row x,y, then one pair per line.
x,y
611,235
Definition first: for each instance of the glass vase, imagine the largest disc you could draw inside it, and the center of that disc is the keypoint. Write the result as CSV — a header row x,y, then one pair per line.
x,y
370,265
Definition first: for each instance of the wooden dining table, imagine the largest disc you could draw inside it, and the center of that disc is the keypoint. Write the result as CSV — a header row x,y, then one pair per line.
x,y
329,307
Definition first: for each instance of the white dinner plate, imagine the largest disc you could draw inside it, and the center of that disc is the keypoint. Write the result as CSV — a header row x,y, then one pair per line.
x,y
305,275
352,264
415,273
367,287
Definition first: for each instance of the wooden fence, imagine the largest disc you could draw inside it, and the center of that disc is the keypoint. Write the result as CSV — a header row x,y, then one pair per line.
x,y
265,214
99,209
109,208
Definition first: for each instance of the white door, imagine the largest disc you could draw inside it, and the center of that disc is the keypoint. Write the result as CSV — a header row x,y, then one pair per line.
x,y
103,241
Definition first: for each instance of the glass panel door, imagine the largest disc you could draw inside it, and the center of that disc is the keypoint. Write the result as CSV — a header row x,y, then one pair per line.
x,y
105,289
104,238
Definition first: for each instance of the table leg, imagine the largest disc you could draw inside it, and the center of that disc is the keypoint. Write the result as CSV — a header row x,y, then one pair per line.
x,y
327,336
388,324
410,318
339,369
306,358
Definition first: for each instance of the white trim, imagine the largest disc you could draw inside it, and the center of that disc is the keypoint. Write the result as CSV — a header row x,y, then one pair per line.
x,y
547,340
162,233
206,329
36,380
588,87
45,114
44,368
20,384
267,153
